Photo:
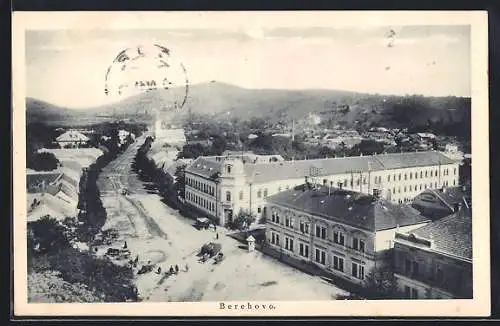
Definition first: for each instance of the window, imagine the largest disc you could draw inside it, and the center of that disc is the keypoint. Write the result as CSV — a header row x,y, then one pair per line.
x,y
259,209
304,227
275,238
388,178
414,293
394,190
229,169
338,237
259,193
228,196
431,173
358,271
399,177
439,274
358,244
275,218
265,193
407,266
455,171
288,222
338,263
241,195
357,182
364,180
405,176
304,250
404,189
399,190
411,175
320,256
436,173
454,183
426,174
320,232
414,271
421,174
394,177
420,186
407,292
289,244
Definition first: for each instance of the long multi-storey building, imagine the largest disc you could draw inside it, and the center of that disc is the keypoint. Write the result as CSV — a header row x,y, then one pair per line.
x,y
344,232
221,186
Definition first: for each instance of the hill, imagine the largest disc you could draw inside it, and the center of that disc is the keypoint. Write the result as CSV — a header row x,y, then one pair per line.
x,y
217,99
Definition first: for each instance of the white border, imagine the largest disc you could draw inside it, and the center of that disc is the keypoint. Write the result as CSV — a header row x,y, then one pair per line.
x,y
479,306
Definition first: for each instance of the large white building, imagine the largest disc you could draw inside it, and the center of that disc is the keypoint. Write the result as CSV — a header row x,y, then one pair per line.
x,y
221,186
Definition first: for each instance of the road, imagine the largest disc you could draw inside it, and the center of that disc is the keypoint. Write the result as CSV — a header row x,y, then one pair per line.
x,y
159,235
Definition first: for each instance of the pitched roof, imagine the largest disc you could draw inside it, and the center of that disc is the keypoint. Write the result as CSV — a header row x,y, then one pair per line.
x,y
72,135
271,171
437,203
204,167
348,207
451,234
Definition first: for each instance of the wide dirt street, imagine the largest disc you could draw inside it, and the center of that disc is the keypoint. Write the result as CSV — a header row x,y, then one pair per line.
x,y
159,234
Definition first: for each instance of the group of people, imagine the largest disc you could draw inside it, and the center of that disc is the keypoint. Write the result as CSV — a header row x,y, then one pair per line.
x,y
173,269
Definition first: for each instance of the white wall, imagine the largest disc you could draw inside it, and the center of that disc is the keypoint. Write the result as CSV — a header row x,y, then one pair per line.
x,y
385,239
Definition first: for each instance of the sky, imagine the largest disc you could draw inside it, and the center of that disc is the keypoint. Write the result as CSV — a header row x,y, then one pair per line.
x,y
68,67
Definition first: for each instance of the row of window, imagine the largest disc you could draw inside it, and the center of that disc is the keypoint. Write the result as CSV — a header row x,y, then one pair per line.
x,y
421,187
320,231
201,186
423,174
357,270
200,201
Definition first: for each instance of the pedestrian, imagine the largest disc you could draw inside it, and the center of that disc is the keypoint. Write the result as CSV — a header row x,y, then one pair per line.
x,y
215,228
176,268
217,236
171,269
159,270
125,245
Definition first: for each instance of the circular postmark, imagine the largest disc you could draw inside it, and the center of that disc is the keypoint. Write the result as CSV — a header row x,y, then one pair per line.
x,y
142,69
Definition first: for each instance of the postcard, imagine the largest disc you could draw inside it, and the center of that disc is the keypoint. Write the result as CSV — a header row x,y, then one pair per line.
x,y
251,164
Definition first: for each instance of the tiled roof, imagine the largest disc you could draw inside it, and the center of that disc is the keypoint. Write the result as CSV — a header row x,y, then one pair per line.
x,y
437,204
348,207
72,135
271,171
204,167
451,234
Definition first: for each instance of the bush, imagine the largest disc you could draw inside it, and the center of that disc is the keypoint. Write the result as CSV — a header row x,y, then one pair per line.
x,y
42,161
242,221
380,283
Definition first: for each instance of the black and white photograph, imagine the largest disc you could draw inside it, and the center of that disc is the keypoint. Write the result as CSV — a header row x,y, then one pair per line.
x,y
251,163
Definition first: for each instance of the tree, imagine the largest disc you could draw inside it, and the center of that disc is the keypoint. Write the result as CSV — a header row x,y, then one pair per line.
x,y
45,235
42,161
367,147
242,221
380,283
180,181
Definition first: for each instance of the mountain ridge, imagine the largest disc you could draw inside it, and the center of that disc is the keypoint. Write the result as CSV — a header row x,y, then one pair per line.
x,y
217,99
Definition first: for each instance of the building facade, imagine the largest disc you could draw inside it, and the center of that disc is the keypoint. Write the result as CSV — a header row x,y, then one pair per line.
x,y
343,232
241,182
435,261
